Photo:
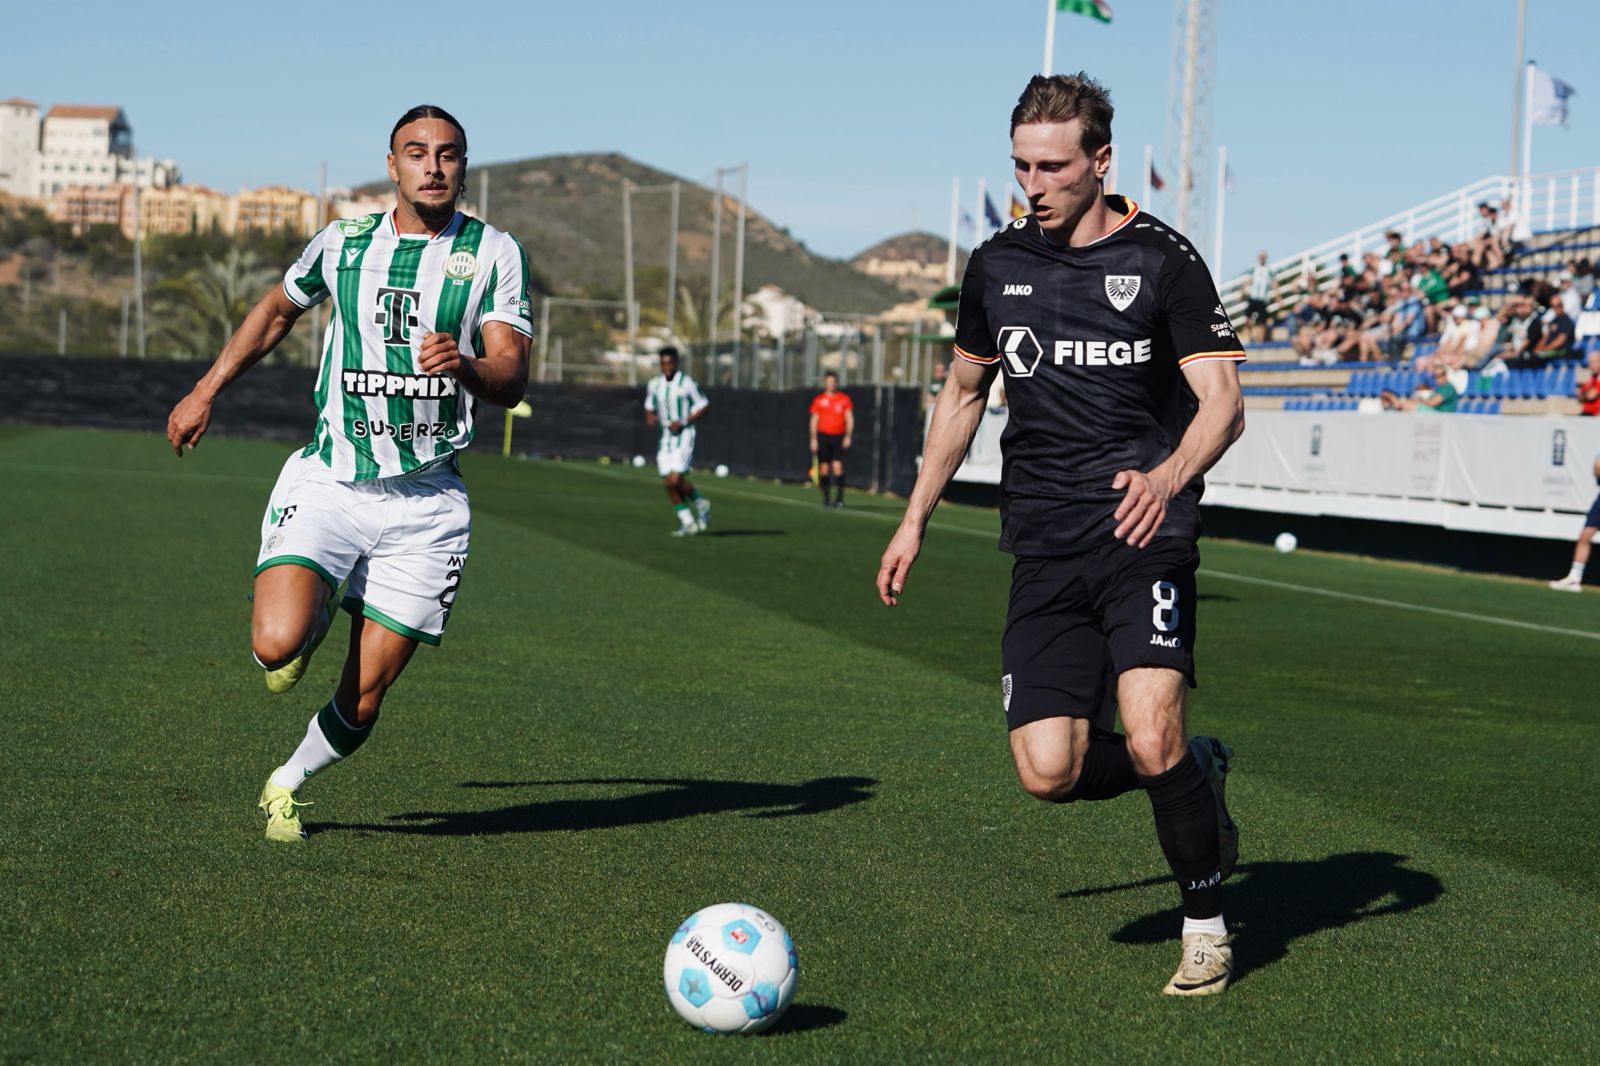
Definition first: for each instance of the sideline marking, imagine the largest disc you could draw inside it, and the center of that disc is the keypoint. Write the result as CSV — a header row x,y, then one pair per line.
x,y
1334,594
1206,572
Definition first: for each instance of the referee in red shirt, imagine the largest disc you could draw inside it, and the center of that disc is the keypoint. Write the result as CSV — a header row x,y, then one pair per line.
x,y
833,420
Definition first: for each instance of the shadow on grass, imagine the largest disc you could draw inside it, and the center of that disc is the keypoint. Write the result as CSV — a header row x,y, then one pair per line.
x,y
1271,904
745,533
804,1017
666,800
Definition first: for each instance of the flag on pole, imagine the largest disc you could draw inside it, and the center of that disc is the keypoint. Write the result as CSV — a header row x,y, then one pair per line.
x,y
1155,179
991,214
967,222
1098,10
1548,104
1018,208
1227,178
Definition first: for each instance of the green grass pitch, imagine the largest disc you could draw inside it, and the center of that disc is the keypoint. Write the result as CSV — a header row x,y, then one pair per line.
x,y
621,728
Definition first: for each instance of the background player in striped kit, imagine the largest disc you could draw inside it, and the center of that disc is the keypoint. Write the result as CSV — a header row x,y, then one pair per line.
x,y
430,315
675,403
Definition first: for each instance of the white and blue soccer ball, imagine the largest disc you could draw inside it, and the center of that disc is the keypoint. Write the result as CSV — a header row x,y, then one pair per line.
x,y
1286,543
730,968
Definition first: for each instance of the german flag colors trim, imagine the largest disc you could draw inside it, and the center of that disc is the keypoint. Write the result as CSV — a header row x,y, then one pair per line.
x,y
979,359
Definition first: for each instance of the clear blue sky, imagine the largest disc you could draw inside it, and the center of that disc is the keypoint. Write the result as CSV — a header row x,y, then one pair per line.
x,y
853,116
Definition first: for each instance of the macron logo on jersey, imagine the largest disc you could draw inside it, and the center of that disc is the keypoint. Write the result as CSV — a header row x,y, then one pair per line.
x,y
1021,350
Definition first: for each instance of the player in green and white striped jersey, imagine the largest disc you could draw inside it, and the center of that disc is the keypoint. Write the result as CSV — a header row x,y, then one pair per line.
x,y
430,314
674,402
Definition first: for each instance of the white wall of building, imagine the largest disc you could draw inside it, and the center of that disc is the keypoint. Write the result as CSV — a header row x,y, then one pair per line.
x,y
19,148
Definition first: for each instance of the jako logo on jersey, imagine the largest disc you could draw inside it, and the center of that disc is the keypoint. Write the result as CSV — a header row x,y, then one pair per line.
x,y
1021,350
411,386
395,310
1102,353
1121,289
1017,290
1165,642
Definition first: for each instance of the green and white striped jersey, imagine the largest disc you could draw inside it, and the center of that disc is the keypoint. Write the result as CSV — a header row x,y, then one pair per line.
x,y
674,401
377,414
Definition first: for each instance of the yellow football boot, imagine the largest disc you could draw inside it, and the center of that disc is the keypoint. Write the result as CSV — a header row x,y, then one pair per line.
x,y
283,820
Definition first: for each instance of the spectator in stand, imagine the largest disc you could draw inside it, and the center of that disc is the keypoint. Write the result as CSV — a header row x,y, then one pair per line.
x,y
1588,388
1408,321
1441,398
1394,252
1431,285
1522,330
1257,299
1486,251
1490,330
1573,582
1583,281
1346,270
1567,293
1458,337
1460,275
1555,332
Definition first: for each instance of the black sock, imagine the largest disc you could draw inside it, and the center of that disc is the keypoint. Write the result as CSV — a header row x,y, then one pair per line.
x,y
838,488
1107,768
1186,826
822,481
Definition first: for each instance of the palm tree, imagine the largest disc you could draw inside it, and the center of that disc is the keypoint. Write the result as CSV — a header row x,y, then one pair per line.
x,y
196,312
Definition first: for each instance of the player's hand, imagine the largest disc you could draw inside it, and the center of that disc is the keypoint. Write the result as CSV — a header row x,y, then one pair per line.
x,y
846,442
1143,507
896,565
188,422
438,354
813,447
675,426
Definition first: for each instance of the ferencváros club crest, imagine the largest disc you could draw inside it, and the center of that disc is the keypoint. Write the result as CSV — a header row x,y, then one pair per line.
x,y
1121,289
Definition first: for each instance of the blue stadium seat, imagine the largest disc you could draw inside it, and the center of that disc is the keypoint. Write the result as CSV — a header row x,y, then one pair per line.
x,y
1493,408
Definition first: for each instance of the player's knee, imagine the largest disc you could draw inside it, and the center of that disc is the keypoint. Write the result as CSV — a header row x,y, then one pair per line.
x,y
1052,787
275,643
1154,751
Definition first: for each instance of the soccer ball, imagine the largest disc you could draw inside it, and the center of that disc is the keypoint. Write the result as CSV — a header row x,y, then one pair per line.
x,y
1286,543
722,469
638,460
730,968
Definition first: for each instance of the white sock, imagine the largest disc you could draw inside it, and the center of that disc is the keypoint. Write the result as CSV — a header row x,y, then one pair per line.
x,y
1577,572
1214,926
313,754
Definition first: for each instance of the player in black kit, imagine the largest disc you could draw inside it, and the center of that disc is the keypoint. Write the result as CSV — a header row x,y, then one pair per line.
x,y
1121,375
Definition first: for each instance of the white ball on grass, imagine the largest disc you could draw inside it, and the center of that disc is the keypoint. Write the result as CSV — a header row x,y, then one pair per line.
x,y
638,460
1286,543
722,469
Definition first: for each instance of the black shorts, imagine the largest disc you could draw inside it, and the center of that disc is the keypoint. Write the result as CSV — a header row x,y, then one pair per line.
x,y
1255,311
830,447
1075,624
1593,517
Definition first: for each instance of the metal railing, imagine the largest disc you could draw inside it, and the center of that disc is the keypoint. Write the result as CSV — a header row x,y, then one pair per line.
x,y
1560,200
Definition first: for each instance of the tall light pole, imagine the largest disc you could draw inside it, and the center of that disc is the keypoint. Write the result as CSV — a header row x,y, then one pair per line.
x,y
738,269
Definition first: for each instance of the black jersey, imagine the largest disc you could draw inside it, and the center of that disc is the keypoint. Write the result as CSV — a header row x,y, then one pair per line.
x,y
1091,341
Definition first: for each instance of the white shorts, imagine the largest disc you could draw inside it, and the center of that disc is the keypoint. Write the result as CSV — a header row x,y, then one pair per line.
x,y
401,541
676,455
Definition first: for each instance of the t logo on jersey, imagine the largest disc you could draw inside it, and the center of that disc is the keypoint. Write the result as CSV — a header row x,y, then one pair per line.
x,y
1121,289
396,310
1021,350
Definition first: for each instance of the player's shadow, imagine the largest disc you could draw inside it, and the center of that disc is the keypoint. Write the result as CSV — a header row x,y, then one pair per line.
x,y
1272,904
665,800
745,533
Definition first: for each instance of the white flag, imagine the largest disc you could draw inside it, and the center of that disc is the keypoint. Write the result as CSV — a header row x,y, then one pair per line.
x,y
1548,104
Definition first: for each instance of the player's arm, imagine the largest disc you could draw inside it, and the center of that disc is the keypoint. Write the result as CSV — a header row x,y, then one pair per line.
x,y
813,430
498,376
1216,425
268,322
956,415
849,425
1207,349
